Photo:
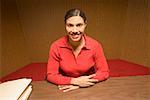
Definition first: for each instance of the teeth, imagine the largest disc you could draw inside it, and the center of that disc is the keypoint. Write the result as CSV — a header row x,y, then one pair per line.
x,y
73,34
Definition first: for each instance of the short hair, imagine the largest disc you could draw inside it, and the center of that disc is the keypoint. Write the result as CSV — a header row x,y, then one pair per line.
x,y
75,12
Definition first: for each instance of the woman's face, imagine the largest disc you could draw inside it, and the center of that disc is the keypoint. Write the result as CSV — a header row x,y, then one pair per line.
x,y
75,27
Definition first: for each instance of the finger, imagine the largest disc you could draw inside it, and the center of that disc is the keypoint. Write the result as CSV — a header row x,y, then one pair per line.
x,y
60,86
91,76
71,88
93,80
64,87
85,85
89,83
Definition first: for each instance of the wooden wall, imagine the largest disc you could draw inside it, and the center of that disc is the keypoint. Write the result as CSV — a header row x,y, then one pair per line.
x,y
14,47
30,26
0,44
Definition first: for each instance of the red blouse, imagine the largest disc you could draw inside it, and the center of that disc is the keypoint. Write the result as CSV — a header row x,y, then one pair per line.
x,y
62,64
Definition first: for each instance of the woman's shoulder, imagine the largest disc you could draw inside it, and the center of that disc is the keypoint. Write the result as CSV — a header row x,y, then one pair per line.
x,y
59,41
92,41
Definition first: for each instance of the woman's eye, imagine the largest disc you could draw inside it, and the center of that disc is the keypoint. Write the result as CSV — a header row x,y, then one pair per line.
x,y
69,25
79,25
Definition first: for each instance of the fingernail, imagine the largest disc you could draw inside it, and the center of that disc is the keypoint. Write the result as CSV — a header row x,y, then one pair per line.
x,y
60,88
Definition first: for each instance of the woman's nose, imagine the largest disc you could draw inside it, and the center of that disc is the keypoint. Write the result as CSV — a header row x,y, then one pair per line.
x,y
75,29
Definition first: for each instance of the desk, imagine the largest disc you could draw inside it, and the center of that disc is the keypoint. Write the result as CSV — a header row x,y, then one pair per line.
x,y
115,88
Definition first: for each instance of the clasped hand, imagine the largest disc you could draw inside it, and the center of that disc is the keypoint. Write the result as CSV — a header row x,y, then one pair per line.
x,y
82,81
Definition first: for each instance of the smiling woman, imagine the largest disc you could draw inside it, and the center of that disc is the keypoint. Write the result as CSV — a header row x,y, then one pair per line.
x,y
76,60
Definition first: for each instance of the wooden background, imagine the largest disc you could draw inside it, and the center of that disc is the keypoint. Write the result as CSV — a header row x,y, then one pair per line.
x,y
28,28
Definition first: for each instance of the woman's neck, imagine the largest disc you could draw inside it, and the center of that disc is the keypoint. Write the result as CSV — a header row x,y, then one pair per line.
x,y
77,44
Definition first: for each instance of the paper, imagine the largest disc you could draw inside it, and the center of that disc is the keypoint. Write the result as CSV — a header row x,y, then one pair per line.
x,y
13,90
26,93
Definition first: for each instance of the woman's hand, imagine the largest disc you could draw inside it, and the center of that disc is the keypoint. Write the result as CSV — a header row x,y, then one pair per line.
x,y
66,88
84,81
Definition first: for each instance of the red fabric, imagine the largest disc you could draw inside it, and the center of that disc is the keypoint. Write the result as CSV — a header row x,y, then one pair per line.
x,y
62,57
35,71
118,68
124,68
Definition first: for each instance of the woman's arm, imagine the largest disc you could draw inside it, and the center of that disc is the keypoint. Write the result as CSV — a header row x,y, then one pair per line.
x,y
101,66
55,77
53,74
84,81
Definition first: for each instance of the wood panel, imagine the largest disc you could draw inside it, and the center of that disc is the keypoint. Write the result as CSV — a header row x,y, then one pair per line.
x,y
14,51
30,26
134,39
0,44
119,88
120,25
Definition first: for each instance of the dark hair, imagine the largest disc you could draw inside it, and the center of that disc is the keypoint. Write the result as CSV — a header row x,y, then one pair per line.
x,y
75,12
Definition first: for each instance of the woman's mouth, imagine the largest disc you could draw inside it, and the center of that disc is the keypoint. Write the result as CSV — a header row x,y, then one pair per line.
x,y
75,33
75,36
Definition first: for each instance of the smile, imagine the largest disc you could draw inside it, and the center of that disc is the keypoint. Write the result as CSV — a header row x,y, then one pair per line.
x,y
75,33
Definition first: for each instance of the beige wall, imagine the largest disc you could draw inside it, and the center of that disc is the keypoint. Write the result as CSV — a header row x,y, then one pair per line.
x,y
135,42
148,38
0,44
122,26
42,22
14,48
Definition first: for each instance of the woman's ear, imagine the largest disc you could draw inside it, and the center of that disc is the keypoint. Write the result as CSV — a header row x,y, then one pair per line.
x,y
85,23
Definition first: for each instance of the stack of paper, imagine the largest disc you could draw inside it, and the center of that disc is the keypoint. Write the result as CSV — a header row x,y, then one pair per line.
x,y
19,89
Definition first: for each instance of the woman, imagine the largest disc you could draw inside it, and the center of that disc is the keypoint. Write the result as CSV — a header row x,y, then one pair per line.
x,y
76,60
